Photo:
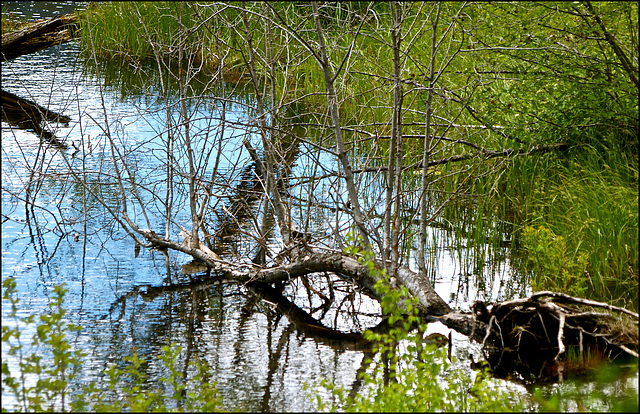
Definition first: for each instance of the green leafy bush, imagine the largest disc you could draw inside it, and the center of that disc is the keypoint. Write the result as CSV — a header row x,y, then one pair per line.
x,y
552,265
50,384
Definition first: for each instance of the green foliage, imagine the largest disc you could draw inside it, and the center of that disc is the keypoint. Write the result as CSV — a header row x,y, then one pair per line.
x,y
553,267
47,379
599,396
40,385
590,200
410,374
575,90
565,85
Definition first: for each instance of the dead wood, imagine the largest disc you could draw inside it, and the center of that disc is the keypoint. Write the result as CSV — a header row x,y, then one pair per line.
x,y
308,262
549,333
38,35
537,337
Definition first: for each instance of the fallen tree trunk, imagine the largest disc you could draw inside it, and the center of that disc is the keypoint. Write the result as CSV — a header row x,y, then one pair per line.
x,y
542,337
37,36
309,262
532,328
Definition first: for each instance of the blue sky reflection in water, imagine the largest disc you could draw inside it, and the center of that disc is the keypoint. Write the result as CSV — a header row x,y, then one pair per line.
x,y
259,361
40,250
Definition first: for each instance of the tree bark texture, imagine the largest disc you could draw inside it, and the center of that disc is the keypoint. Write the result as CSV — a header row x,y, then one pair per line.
x,y
37,36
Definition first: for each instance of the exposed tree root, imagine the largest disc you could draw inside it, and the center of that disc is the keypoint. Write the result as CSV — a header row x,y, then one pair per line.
x,y
550,333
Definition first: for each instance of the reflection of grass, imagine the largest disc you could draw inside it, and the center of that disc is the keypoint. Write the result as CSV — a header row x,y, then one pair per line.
x,y
602,395
11,21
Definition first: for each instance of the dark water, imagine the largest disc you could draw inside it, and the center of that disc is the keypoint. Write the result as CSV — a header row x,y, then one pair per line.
x,y
259,360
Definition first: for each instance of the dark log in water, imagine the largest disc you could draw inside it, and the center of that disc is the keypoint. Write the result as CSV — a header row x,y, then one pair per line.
x,y
535,337
27,115
37,36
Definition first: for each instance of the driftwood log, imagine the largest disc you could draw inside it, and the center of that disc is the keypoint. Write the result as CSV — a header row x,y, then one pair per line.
x,y
37,36
535,338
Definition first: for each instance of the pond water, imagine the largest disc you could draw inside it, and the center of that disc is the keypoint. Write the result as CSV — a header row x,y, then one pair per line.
x,y
259,360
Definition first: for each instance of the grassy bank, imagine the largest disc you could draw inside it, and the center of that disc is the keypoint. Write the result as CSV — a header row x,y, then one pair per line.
x,y
589,207
547,78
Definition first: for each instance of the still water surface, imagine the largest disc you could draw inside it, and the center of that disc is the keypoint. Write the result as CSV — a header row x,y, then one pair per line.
x,y
259,360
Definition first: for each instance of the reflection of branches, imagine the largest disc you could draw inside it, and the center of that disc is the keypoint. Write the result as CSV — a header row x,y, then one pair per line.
x,y
274,360
303,321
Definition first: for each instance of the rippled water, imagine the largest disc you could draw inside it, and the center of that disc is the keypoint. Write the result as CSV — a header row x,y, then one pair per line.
x,y
259,360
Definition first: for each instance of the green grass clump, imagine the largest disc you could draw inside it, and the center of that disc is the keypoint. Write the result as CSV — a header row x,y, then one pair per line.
x,y
10,22
585,206
147,31
553,268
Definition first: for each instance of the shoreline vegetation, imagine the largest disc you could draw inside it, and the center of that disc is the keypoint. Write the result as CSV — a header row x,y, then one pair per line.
x,y
518,77
573,214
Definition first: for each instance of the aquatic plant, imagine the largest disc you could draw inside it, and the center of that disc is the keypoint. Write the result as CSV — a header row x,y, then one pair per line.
x,y
409,373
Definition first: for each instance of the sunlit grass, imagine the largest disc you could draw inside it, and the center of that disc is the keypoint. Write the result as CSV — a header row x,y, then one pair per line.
x,y
591,201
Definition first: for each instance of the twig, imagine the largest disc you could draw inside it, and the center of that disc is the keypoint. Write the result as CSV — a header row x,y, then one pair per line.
x,y
584,302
